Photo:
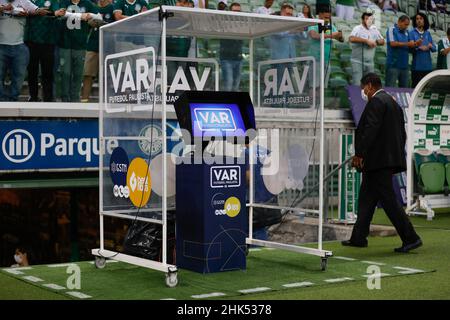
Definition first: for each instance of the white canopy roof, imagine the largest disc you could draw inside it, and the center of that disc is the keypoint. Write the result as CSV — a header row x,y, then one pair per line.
x,y
210,23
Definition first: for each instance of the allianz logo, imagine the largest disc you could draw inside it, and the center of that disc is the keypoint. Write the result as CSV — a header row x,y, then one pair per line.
x,y
19,145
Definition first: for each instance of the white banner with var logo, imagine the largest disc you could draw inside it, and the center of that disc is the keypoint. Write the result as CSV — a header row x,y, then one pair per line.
x,y
132,78
288,83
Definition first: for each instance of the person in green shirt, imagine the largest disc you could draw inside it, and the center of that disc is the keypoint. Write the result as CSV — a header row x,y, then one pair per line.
x,y
40,39
169,2
443,60
177,46
125,8
345,9
73,43
314,45
91,61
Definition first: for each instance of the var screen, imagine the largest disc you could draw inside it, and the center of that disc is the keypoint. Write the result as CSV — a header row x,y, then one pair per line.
x,y
216,119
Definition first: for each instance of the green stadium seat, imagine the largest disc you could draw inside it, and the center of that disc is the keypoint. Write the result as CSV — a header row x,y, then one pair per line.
x,y
342,46
430,172
342,94
380,62
443,156
338,79
335,68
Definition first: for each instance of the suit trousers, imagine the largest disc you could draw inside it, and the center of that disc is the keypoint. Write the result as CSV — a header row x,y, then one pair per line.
x,y
377,187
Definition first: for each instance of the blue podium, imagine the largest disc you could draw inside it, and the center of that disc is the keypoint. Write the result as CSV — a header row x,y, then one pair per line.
x,y
211,217
211,212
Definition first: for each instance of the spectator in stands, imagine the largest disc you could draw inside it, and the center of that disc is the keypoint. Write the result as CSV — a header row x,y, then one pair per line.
x,y
345,9
398,45
364,39
231,59
266,8
421,63
40,37
125,8
21,258
306,12
202,4
390,5
91,61
282,45
427,5
168,2
441,5
72,45
322,4
330,34
14,54
367,4
222,5
443,61
178,46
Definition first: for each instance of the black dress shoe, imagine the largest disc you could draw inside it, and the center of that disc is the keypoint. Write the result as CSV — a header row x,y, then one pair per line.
x,y
349,243
407,247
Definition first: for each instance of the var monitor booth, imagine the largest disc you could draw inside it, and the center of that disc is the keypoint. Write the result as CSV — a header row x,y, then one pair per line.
x,y
211,213
159,135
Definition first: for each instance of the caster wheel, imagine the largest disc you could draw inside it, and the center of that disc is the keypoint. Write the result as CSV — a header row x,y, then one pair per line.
x,y
171,279
323,264
100,262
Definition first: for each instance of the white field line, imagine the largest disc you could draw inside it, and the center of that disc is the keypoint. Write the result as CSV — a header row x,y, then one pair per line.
x,y
78,294
345,258
53,286
208,295
335,280
32,279
253,290
374,262
298,284
408,270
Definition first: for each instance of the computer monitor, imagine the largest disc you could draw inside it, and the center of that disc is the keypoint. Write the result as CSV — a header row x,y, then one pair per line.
x,y
215,115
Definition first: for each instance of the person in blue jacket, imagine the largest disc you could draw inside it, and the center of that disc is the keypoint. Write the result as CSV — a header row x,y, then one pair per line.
x,y
398,46
421,63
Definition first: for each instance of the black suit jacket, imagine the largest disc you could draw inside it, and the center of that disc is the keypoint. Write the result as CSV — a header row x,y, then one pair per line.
x,y
380,137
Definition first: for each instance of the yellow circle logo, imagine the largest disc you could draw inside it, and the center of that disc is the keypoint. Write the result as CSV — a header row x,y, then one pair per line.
x,y
139,182
232,207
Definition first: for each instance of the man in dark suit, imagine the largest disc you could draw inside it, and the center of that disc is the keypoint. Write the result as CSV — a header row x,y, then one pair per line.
x,y
380,153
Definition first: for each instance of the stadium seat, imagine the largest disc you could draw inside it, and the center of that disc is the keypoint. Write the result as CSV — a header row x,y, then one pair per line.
x,y
336,68
430,172
342,94
443,156
380,62
338,79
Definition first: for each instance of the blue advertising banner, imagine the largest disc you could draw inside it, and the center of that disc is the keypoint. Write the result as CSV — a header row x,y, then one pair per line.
x,y
67,144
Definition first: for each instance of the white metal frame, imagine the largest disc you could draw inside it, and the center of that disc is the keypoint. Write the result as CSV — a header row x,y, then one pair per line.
x,y
163,266
324,254
420,205
102,252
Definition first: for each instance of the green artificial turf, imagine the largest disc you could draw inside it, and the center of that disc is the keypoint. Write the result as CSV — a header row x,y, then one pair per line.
x,y
270,268
435,254
441,219
266,268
